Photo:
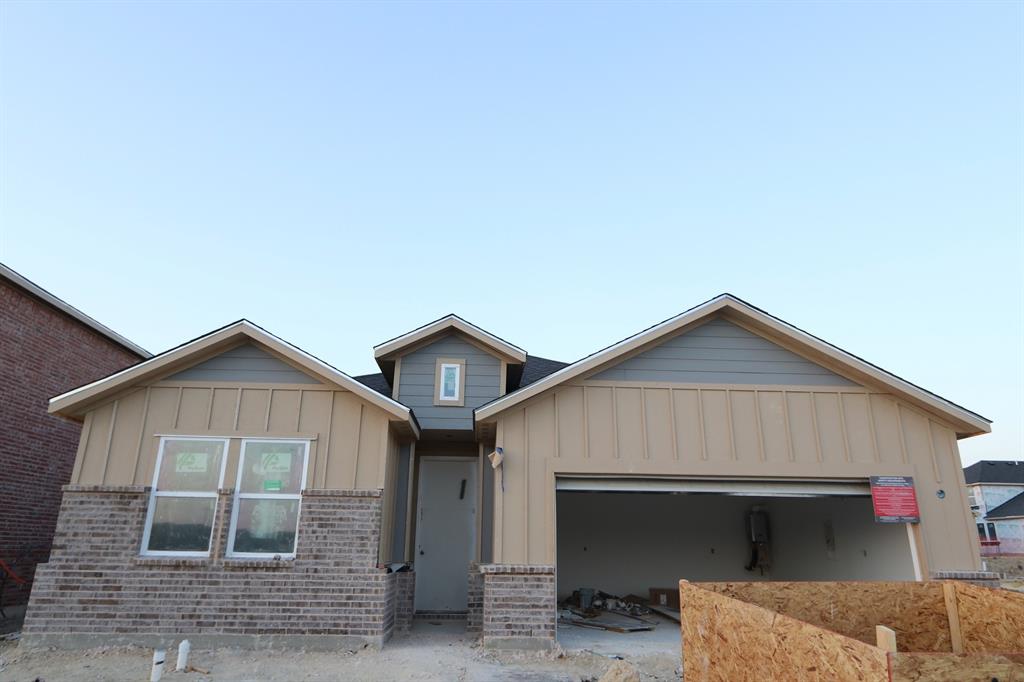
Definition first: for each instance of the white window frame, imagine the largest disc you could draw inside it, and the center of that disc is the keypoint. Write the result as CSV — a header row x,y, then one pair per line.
x,y
458,380
239,495
155,493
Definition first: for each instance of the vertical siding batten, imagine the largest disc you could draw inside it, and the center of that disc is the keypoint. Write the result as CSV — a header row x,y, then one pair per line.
x,y
902,432
760,427
874,430
238,406
814,425
110,439
359,439
142,432
266,416
298,410
586,426
842,427
615,424
83,442
526,483
700,425
732,426
672,423
789,427
177,407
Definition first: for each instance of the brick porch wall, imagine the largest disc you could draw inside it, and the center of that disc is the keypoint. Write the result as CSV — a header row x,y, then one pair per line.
x,y
518,606
96,589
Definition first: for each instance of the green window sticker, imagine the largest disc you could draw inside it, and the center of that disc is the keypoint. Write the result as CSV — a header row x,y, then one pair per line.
x,y
272,486
191,462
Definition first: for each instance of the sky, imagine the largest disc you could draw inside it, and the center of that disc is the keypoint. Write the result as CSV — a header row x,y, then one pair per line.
x,y
561,174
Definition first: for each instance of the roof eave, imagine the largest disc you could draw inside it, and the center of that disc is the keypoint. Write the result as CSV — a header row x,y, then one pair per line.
x,y
966,422
74,403
395,346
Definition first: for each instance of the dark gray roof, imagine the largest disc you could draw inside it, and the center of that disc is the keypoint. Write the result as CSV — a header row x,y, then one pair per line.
x,y
994,471
1012,507
377,382
536,368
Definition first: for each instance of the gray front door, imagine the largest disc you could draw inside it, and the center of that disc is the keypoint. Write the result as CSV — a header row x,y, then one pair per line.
x,y
445,532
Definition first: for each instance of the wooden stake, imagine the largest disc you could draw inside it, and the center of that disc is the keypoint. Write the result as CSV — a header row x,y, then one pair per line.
x,y
885,638
949,595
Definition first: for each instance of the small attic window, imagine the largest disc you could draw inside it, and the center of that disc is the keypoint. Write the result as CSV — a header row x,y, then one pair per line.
x,y
449,382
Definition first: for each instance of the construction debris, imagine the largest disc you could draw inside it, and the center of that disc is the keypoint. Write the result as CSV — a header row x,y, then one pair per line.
x,y
620,671
595,609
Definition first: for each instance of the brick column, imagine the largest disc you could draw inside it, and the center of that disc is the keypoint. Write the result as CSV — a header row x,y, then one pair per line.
x,y
406,594
474,601
518,606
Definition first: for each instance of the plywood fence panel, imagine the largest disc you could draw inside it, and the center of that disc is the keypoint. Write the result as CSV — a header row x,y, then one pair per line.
x,y
727,639
917,667
916,611
990,620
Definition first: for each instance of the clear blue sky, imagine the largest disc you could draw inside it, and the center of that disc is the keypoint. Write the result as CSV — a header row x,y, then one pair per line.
x,y
560,174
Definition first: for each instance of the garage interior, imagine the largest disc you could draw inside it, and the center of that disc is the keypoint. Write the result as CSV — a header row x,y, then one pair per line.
x,y
626,536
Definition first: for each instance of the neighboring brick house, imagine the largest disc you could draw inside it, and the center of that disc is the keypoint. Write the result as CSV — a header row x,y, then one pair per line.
x,y
237,490
46,347
996,494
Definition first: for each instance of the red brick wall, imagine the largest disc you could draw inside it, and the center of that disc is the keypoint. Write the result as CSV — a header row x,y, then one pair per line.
x,y
43,353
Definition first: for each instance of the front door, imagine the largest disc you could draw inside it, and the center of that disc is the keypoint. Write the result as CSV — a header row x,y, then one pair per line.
x,y
445,532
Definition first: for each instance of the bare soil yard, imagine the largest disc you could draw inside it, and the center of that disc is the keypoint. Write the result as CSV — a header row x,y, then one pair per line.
x,y
429,652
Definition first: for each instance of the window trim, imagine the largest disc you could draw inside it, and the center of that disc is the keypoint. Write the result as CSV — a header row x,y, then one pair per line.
x,y
155,492
460,365
238,495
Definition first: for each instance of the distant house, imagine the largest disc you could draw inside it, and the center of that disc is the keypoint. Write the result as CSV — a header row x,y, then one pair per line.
x,y
995,491
46,347
238,490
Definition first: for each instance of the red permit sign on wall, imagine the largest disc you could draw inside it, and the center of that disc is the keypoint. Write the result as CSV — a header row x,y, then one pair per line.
x,y
894,499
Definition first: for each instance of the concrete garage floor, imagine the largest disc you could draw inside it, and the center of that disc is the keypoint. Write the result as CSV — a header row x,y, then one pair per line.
x,y
428,652
664,640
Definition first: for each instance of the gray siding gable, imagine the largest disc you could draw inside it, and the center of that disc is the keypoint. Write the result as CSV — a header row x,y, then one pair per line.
x,y
720,352
247,363
416,382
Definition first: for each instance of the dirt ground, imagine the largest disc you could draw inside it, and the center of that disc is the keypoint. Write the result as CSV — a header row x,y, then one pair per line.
x,y
429,652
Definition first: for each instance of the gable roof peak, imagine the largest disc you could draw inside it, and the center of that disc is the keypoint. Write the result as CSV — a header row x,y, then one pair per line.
x,y
449,323
77,401
967,423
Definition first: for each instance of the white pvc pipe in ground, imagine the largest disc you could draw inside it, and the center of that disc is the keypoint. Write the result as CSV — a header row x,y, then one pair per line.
x,y
183,650
159,656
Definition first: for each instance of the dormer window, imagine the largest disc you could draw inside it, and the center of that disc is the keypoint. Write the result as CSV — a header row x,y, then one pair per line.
x,y
450,382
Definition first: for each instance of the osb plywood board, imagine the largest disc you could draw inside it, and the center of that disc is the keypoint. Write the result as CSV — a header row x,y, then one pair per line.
x,y
916,611
991,620
914,667
728,640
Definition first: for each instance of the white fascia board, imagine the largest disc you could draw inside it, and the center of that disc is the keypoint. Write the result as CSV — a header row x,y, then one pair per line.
x,y
727,301
451,321
255,333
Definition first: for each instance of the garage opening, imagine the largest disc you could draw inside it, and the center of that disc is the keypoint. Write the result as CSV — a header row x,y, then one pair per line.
x,y
624,536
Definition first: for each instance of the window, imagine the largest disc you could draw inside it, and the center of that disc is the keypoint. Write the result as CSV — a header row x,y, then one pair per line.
x,y
449,380
265,514
992,532
184,499
981,531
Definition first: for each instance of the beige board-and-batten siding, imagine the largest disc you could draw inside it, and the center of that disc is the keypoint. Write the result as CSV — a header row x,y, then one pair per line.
x,y
635,429
352,446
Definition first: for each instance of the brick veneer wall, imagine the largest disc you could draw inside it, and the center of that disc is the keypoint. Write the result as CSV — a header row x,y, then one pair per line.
x,y
518,606
474,601
96,589
43,352
405,595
